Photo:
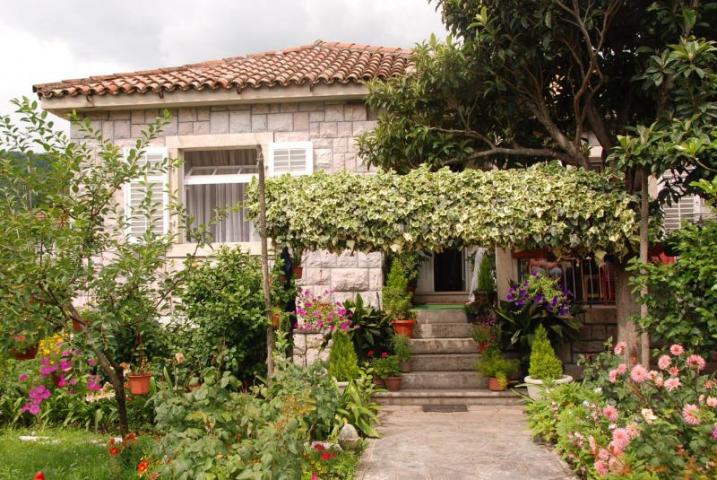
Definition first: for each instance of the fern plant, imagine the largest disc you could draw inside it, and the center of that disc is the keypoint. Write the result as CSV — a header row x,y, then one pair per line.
x,y
343,363
544,364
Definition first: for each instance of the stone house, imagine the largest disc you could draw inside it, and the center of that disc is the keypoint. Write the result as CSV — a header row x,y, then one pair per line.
x,y
303,107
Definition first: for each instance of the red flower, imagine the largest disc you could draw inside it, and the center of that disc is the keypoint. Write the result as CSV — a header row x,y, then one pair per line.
x,y
370,353
39,476
319,447
326,456
114,451
384,355
130,438
142,467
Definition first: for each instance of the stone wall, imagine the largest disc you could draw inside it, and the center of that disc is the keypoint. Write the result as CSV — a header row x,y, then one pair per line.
x,y
332,127
343,276
600,323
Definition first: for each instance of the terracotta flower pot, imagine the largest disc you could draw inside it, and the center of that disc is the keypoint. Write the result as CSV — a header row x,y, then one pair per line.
x,y
379,382
404,327
77,326
393,384
276,320
298,271
139,383
495,385
27,354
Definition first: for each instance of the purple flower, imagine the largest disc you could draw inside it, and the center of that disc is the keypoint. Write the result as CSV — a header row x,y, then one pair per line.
x,y
31,407
47,370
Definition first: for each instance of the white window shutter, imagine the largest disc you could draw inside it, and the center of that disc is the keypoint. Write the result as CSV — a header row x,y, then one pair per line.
x,y
137,190
296,158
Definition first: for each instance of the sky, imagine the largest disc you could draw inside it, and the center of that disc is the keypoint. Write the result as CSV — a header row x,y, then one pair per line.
x,y
51,40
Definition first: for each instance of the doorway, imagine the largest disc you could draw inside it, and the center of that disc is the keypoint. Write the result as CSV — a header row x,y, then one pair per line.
x,y
449,271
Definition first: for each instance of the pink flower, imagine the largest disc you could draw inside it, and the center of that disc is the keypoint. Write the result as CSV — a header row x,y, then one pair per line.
x,y
659,381
603,455
600,468
696,361
674,371
620,440
39,393
91,362
690,414
22,378
639,374
31,407
612,376
664,362
65,365
621,369
610,413
620,348
93,383
62,382
711,402
714,433
677,349
47,368
314,476
672,383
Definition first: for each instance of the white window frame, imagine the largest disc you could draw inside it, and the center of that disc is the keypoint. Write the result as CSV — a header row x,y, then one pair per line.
x,y
163,179
308,147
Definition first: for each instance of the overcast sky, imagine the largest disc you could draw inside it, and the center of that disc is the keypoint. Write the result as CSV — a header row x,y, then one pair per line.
x,y
50,40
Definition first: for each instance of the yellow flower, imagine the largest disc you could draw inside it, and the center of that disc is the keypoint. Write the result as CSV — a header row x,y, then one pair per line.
x,y
50,346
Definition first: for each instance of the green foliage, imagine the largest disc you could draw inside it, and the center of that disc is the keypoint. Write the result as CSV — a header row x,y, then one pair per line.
x,y
386,366
411,264
493,364
396,297
357,406
339,465
401,347
543,413
544,364
486,275
343,363
370,329
547,205
224,320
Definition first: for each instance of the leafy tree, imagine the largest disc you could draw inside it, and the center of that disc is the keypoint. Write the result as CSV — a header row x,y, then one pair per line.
x,y
66,258
527,80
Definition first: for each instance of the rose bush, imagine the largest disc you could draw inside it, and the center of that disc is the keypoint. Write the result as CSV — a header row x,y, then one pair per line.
x,y
635,422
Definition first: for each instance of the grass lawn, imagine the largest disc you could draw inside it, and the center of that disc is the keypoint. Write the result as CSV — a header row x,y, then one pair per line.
x,y
66,455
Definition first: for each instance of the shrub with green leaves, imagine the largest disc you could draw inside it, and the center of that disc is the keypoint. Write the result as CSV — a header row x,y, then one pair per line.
x,y
343,363
396,297
225,320
401,347
486,276
544,364
370,331
493,364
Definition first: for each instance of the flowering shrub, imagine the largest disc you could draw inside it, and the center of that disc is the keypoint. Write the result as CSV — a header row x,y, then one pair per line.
x,y
633,420
314,313
538,300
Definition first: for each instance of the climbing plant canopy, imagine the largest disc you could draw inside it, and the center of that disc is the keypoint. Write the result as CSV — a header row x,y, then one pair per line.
x,y
544,205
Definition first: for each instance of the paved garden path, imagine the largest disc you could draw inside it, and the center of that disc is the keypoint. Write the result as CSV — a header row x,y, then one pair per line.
x,y
485,443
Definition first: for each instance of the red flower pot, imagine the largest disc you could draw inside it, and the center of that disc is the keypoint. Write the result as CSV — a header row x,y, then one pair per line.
x,y
297,271
404,327
495,385
393,384
139,383
27,354
379,382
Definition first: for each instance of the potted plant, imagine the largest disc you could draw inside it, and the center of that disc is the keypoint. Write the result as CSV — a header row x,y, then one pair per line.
x,y
485,335
343,363
402,350
485,293
139,381
391,372
25,347
497,368
545,369
397,301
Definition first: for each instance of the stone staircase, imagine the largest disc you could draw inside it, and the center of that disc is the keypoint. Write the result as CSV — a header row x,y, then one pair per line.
x,y
442,370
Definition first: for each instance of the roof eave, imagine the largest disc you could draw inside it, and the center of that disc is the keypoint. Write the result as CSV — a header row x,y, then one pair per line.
x,y
193,98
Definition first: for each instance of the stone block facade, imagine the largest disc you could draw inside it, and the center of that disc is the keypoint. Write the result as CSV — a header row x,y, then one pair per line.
x,y
331,127
599,324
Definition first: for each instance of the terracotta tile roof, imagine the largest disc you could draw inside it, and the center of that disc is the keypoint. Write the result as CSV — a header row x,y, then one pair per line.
x,y
318,63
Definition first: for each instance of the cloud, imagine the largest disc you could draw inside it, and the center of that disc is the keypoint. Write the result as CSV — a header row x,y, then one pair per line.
x,y
55,40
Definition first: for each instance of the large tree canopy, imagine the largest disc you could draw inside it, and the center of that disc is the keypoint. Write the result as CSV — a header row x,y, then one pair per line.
x,y
525,80
545,205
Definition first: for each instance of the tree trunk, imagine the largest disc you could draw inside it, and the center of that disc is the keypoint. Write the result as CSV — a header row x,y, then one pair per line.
x,y
626,309
265,266
116,376
644,240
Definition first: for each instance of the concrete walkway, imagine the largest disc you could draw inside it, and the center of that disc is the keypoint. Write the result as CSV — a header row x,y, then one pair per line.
x,y
485,443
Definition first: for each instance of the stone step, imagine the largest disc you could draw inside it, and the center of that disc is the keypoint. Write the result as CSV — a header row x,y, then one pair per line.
x,y
441,316
445,298
442,345
431,380
443,330
443,362
448,397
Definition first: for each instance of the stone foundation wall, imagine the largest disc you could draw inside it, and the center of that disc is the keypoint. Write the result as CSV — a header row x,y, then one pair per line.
x,y
600,323
343,276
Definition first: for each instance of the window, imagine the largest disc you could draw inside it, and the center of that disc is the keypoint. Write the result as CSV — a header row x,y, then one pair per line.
x,y
293,158
217,179
689,208
146,200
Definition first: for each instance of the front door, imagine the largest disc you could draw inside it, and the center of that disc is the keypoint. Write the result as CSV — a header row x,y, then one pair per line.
x,y
449,271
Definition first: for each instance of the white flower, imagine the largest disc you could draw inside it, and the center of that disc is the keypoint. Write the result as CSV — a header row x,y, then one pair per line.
x,y
598,390
648,415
